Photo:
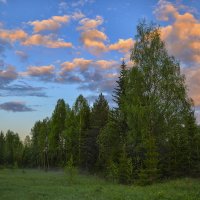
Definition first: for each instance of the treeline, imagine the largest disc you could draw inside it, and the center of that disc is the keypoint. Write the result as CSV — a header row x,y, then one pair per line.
x,y
150,134
11,149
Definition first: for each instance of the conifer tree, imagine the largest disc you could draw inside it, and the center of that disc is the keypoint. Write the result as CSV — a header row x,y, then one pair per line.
x,y
119,91
99,118
119,98
125,167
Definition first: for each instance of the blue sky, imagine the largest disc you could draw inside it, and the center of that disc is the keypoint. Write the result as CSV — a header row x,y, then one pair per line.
x,y
59,49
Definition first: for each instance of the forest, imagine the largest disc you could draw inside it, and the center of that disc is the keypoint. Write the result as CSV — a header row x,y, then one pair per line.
x,y
150,134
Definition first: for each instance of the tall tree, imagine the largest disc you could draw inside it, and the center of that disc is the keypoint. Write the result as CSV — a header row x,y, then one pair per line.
x,y
99,118
81,110
119,97
156,99
100,112
57,140
13,149
2,148
115,131
27,152
119,91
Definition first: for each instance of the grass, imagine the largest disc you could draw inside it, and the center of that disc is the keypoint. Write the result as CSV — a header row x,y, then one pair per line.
x,y
36,185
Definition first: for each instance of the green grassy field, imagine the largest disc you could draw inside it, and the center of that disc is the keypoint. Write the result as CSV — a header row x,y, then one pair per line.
x,y
35,185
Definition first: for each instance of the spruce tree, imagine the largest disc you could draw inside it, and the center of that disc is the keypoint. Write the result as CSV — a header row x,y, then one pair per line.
x,y
119,91
99,118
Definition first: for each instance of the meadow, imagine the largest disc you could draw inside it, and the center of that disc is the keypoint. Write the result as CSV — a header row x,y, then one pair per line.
x,y
20,184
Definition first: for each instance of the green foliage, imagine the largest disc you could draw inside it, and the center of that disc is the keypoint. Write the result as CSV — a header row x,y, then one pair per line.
x,y
13,149
100,112
125,168
112,171
150,134
108,142
56,137
71,171
99,118
2,149
82,116
156,107
150,172
15,165
119,91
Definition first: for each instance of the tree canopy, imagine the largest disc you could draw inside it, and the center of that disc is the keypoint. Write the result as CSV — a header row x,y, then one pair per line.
x,y
150,134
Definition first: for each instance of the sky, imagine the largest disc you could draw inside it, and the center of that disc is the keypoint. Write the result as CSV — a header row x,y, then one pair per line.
x,y
59,49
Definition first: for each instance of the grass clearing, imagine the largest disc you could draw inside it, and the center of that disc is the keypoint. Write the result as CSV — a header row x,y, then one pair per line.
x,y
36,185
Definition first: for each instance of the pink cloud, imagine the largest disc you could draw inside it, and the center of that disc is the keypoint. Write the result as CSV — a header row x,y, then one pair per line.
x,y
165,10
79,63
94,41
13,35
182,37
40,70
105,64
47,41
192,75
53,23
122,45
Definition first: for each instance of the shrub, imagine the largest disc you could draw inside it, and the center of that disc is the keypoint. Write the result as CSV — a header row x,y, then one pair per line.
x,y
71,170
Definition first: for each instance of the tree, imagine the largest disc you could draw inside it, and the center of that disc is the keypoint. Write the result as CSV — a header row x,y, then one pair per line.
x,y
100,112
13,149
125,167
40,143
99,118
35,132
56,139
27,152
156,102
119,90
119,97
110,144
71,136
71,170
2,148
81,110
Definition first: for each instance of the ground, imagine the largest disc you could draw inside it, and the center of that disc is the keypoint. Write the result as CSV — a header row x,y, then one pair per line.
x,y
35,185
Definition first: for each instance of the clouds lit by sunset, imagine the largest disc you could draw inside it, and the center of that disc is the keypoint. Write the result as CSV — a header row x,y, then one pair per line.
x,y
59,49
